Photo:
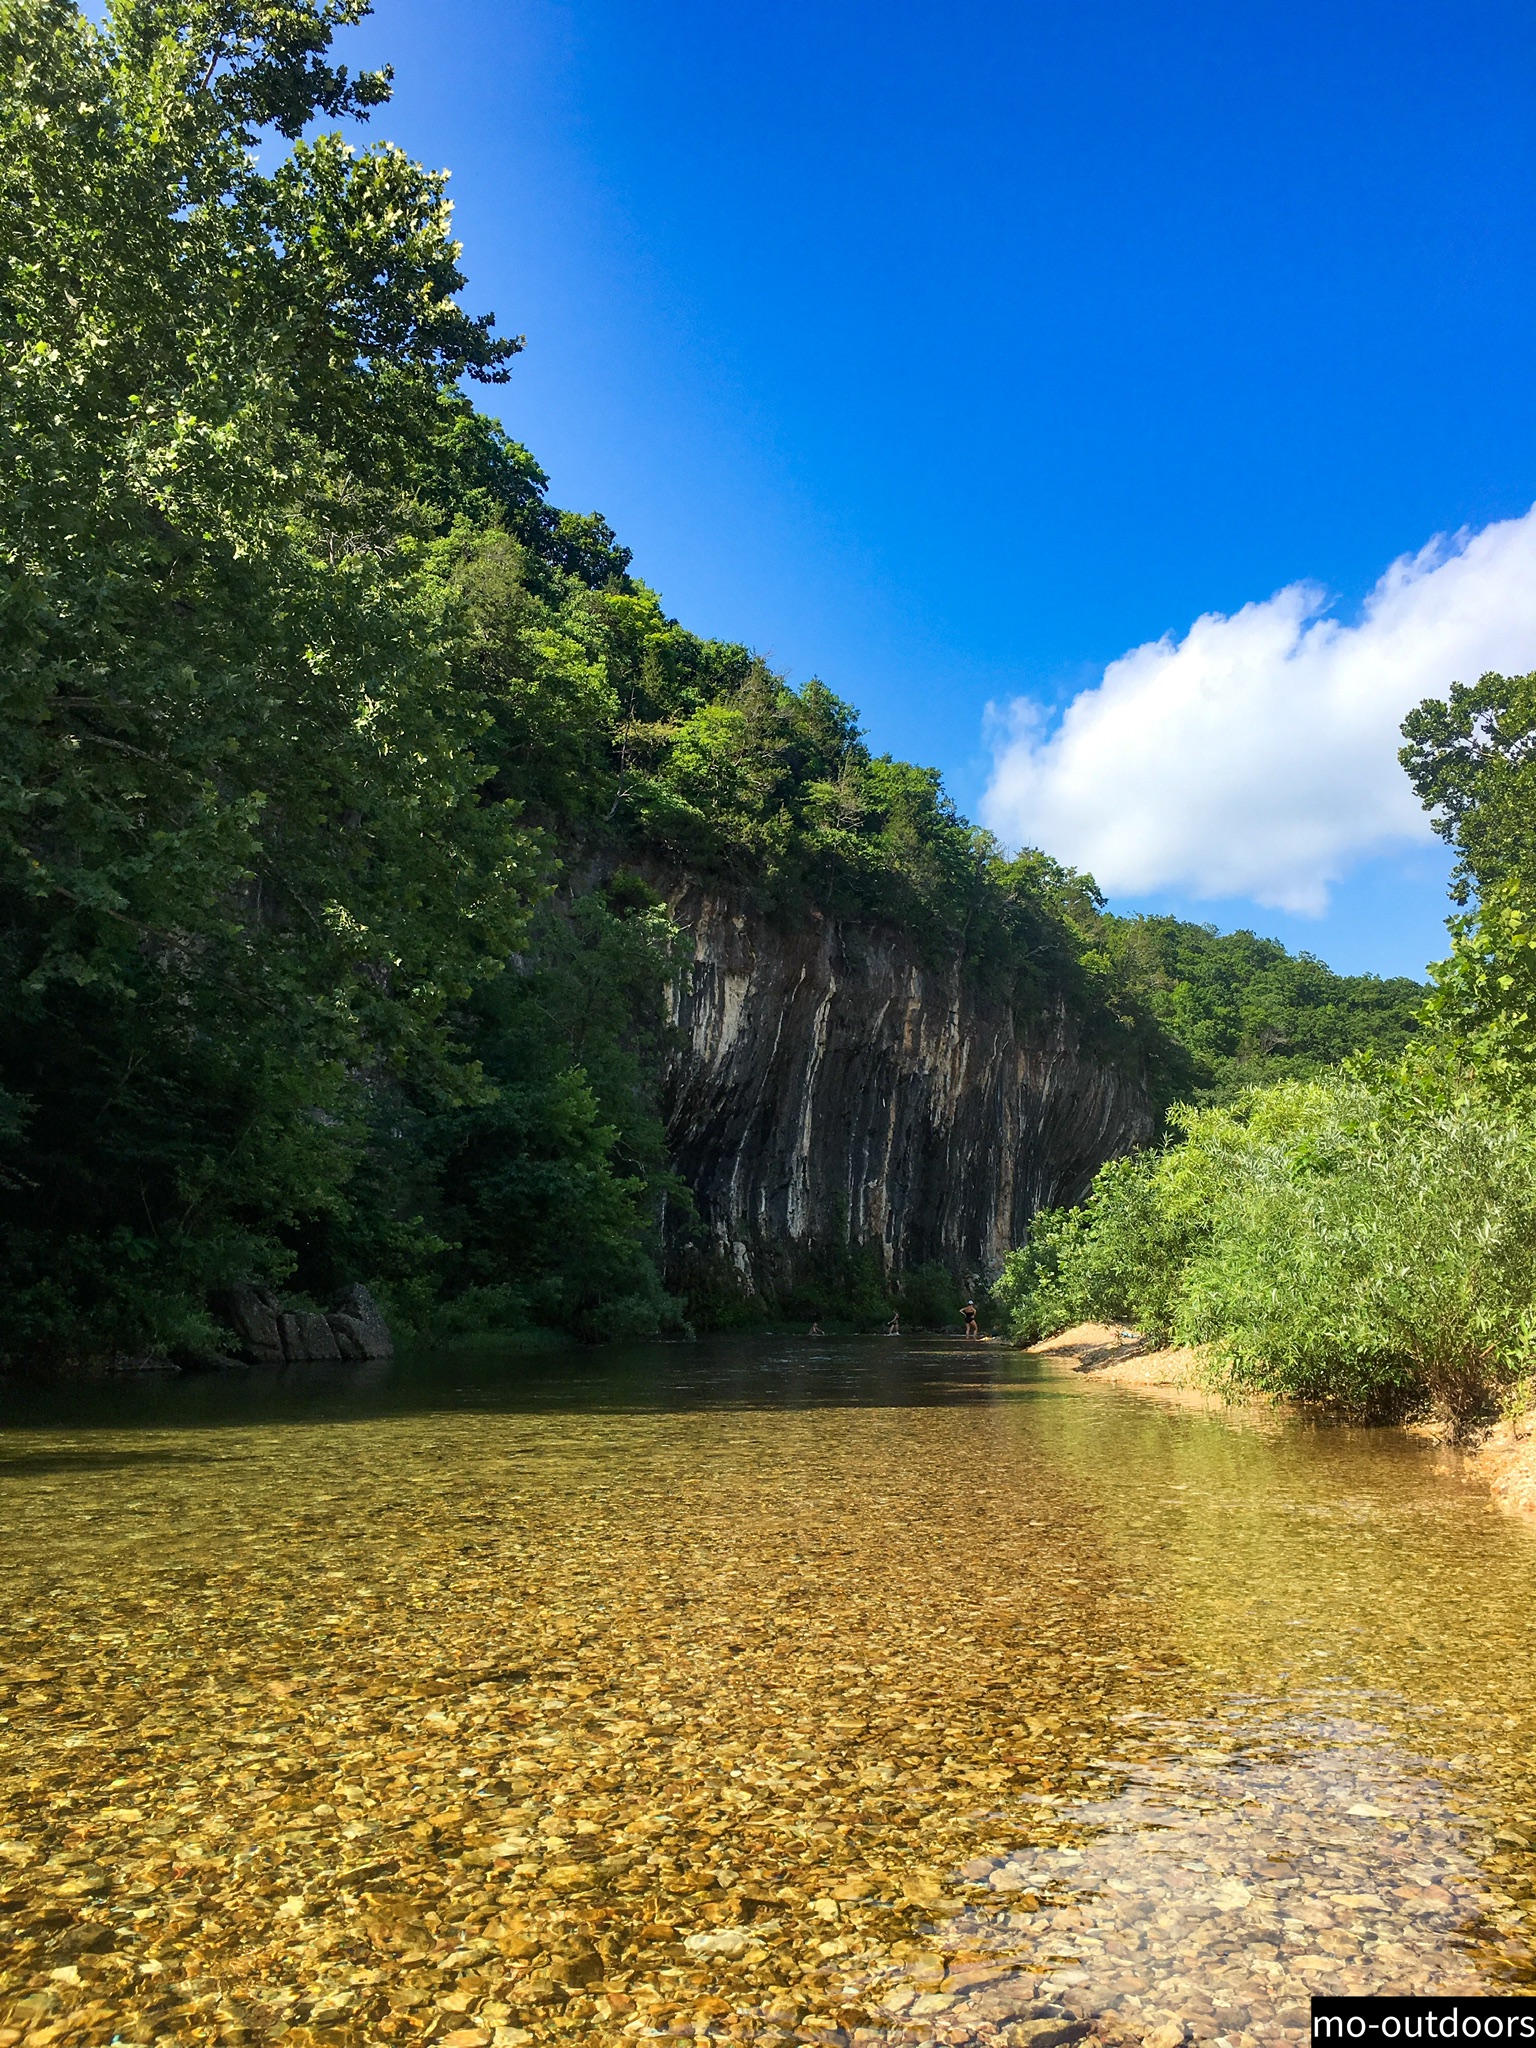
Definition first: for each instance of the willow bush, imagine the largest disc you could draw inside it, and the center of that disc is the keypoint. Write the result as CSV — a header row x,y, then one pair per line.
x,y
1367,1238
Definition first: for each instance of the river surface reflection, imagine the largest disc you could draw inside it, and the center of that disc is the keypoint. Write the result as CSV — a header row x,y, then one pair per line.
x,y
879,1690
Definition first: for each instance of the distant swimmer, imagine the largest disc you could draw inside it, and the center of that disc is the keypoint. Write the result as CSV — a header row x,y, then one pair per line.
x,y
816,1329
968,1317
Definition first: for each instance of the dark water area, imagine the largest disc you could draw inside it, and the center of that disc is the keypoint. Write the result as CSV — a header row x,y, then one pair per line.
x,y
768,1689
515,1376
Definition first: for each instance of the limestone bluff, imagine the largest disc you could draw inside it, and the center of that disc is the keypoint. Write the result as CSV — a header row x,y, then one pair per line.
x,y
829,1084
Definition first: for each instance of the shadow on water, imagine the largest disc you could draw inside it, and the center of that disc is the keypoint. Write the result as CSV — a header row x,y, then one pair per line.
x,y
44,1464
751,1373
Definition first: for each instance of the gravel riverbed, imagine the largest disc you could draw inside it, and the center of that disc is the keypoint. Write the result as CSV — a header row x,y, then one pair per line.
x,y
909,1697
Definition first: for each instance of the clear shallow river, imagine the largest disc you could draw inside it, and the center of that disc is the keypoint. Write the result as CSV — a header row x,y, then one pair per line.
x,y
878,1691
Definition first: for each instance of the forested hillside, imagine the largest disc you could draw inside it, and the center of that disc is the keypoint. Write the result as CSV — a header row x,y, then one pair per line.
x,y
334,754
1242,1009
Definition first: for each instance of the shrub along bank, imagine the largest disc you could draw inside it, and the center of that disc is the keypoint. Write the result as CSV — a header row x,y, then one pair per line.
x,y
1365,1237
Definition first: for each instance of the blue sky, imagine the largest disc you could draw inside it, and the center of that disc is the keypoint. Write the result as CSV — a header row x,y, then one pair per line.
x,y
952,352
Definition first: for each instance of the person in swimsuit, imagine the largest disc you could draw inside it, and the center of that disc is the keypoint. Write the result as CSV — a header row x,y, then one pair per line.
x,y
968,1317
895,1329
816,1329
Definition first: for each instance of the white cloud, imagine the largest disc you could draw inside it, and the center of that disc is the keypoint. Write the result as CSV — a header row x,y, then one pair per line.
x,y
1257,756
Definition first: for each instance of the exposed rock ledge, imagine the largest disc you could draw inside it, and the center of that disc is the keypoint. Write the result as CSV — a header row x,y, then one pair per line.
x,y
832,1087
269,1334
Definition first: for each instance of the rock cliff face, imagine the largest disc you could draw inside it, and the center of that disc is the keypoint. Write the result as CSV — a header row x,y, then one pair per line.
x,y
832,1087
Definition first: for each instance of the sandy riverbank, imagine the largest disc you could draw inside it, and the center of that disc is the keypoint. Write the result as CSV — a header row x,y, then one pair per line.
x,y
1119,1357
1504,1459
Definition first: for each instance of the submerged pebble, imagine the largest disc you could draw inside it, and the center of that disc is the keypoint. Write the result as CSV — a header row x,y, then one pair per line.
x,y
947,1713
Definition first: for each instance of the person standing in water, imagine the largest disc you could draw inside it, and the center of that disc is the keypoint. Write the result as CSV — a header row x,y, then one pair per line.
x,y
895,1329
968,1317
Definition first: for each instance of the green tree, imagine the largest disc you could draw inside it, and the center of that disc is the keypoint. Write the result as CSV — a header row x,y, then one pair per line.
x,y
243,864
549,1193
1470,758
1245,1010
343,774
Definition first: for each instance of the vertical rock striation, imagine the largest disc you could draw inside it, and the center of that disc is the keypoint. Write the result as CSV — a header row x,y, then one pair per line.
x,y
830,1086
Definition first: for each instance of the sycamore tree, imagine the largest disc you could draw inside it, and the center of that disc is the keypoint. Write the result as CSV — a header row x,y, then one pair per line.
x,y
246,874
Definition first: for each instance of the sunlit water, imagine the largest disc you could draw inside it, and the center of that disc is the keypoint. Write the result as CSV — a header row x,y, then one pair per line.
x,y
873,1691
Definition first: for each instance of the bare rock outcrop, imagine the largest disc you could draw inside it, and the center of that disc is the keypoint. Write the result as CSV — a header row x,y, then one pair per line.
x,y
831,1085
269,1334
